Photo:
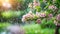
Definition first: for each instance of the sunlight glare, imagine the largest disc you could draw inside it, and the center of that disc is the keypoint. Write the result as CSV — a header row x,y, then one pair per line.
x,y
6,4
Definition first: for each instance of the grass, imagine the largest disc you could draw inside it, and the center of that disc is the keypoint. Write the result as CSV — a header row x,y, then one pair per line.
x,y
36,29
3,26
59,30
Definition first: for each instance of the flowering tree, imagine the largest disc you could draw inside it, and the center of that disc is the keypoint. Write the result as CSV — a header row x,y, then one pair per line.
x,y
45,9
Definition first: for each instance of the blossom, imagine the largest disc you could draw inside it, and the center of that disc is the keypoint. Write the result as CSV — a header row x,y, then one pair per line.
x,y
52,7
28,16
55,22
38,21
24,18
50,15
58,17
36,3
42,15
30,5
37,14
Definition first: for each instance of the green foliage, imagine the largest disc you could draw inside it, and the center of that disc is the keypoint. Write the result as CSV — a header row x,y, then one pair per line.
x,y
11,14
43,23
32,28
58,11
3,25
7,14
36,29
38,8
59,30
47,23
20,1
25,4
50,23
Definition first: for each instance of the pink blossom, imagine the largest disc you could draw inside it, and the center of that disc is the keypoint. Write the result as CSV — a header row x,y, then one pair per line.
x,y
55,22
52,7
37,14
50,15
42,15
36,3
27,17
38,21
58,17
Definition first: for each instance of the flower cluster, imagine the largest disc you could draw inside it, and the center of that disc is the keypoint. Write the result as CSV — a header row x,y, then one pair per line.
x,y
42,14
30,5
36,3
50,16
52,7
38,21
58,17
28,17
57,20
